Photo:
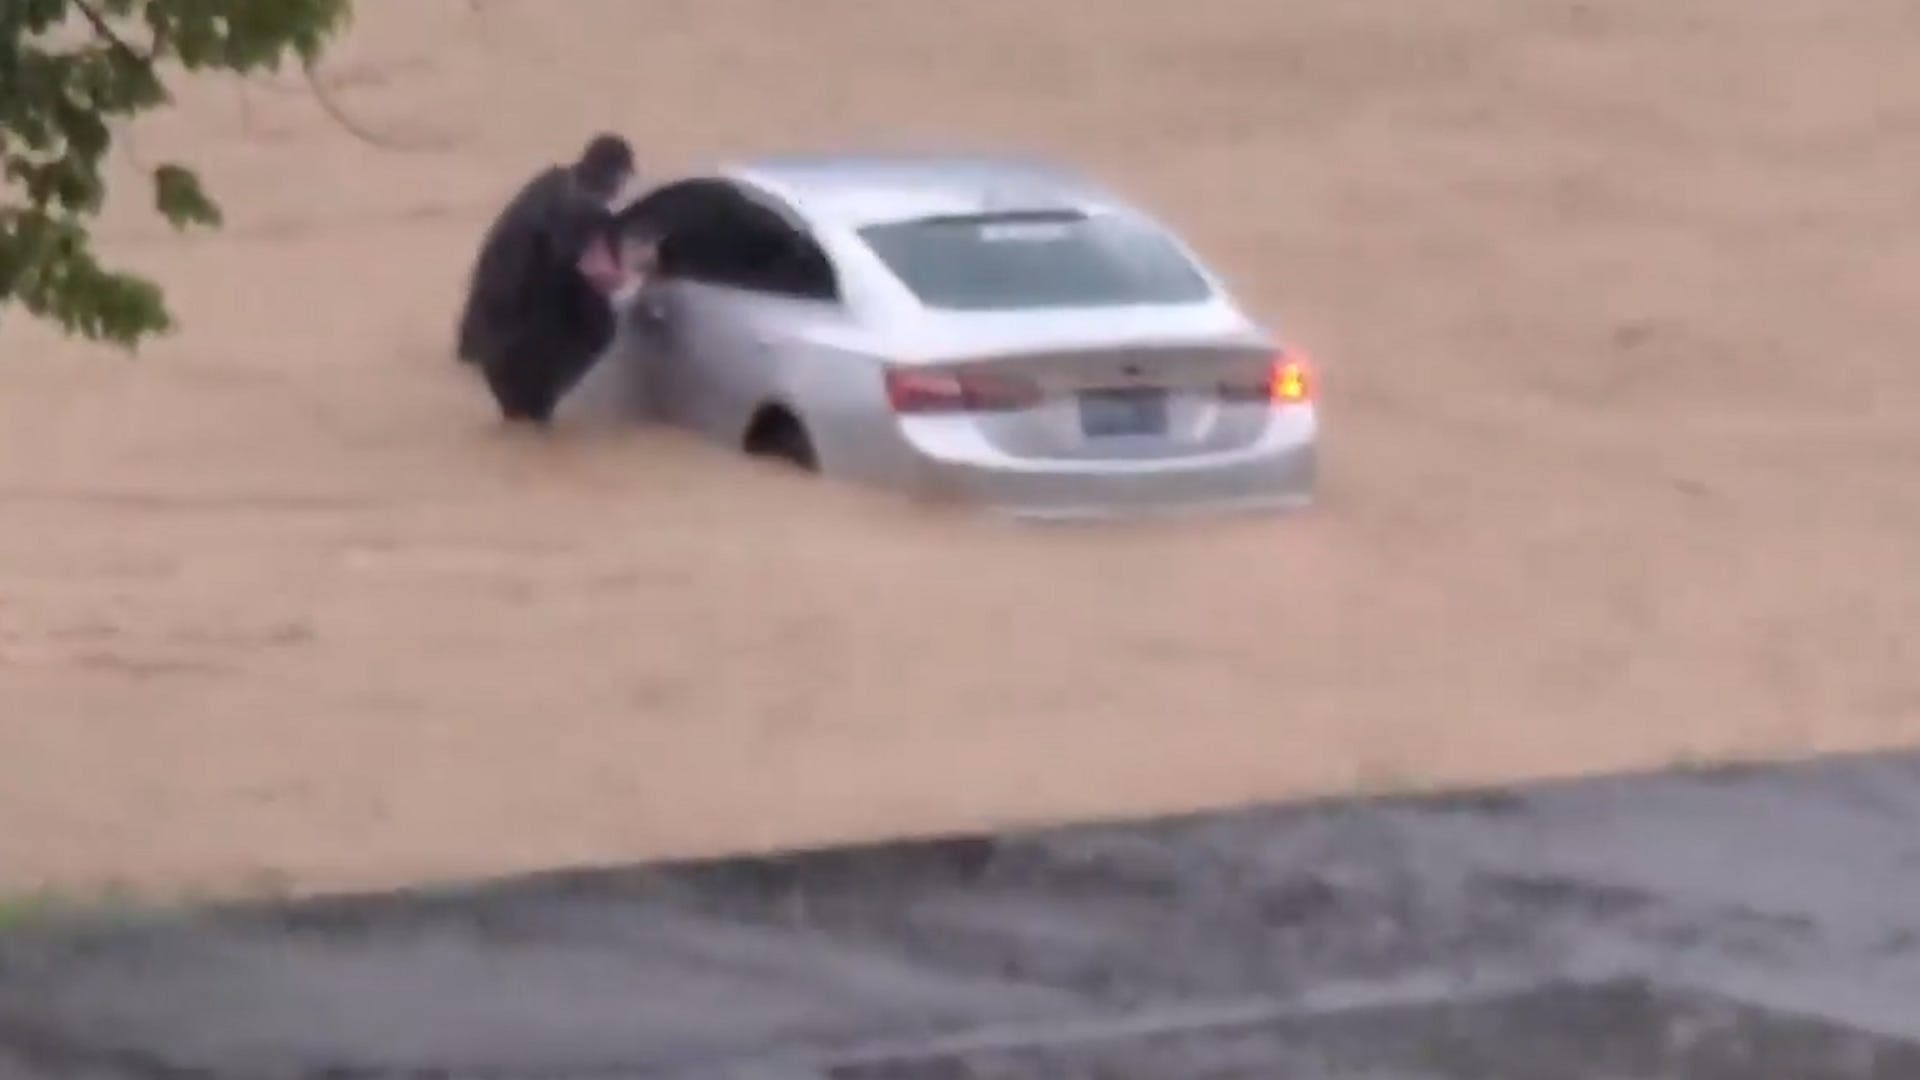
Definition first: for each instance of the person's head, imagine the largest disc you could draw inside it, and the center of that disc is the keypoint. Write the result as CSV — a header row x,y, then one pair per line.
x,y
605,166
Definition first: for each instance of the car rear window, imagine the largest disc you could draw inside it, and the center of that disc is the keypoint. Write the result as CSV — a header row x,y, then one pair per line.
x,y
1011,261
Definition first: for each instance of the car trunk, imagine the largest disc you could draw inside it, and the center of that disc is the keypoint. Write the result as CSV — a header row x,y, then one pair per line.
x,y
1120,402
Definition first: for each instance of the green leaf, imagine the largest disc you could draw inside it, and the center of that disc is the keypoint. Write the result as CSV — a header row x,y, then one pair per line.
x,y
178,197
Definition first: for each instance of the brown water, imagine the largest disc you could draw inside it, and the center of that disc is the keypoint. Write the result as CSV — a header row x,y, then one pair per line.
x,y
1615,304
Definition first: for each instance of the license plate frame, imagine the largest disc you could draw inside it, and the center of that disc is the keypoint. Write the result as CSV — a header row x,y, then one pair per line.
x,y
1125,412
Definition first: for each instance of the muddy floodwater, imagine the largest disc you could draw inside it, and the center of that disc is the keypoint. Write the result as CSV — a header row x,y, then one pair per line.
x,y
1614,304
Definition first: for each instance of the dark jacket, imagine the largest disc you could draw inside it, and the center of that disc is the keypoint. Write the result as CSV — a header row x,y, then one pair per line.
x,y
525,293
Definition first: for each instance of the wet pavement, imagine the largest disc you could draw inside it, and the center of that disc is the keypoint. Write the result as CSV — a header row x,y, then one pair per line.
x,y
1749,923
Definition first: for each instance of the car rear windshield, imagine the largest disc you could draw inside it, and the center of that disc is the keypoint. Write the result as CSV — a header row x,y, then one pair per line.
x,y
1011,261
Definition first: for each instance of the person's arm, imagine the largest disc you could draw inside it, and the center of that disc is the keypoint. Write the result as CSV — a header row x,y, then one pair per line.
x,y
638,260
599,265
619,264
640,257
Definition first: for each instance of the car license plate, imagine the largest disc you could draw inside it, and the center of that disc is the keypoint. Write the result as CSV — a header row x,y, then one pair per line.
x,y
1123,412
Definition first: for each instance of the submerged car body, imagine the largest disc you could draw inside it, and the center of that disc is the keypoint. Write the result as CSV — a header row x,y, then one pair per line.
x,y
989,330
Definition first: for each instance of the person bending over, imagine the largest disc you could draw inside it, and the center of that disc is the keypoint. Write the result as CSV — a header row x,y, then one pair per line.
x,y
539,308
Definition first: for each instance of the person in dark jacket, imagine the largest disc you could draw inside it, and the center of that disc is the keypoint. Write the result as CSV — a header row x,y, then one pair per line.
x,y
539,311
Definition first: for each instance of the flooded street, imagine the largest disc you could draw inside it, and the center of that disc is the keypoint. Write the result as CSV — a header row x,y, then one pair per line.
x,y
1614,306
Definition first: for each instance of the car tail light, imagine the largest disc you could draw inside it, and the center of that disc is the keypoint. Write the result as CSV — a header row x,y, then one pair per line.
x,y
1290,378
1287,379
931,390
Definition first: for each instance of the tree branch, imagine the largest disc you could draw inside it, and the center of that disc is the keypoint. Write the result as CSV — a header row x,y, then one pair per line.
x,y
339,116
105,30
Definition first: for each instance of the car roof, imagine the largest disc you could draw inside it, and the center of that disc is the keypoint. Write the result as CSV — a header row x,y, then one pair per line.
x,y
871,189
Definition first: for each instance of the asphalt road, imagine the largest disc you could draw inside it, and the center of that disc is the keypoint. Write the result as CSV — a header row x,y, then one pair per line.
x,y
1759,923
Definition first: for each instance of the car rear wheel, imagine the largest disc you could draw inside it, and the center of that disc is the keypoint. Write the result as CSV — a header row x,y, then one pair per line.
x,y
778,434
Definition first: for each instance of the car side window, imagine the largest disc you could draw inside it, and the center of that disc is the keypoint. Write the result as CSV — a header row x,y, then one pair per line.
x,y
708,232
758,256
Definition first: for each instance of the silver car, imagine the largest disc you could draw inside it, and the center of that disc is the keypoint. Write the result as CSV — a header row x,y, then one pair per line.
x,y
988,330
